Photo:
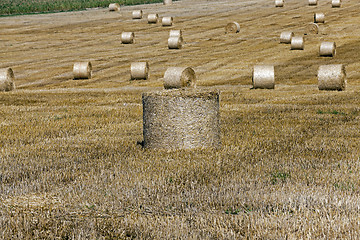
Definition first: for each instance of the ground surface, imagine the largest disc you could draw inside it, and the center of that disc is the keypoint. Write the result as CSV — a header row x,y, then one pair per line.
x,y
70,162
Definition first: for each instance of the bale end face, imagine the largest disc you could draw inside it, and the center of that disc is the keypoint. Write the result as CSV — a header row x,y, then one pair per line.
x,y
332,77
82,70
7,80
327,49
263,77
232,27
179,77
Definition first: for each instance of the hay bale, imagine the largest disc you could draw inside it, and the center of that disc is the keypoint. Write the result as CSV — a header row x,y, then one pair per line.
x,y
232,27
312,2
263,77
175,33
175,42
82,70
179,77
327,49
297,43
332,77
153,18
137,14
167,21
139,70
336,3
7,80
178,119
279,3
285,37
312,28
167,2
127,37
319,18
114,7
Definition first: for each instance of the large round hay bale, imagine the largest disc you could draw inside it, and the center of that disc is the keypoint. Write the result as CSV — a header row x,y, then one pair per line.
x,y
179,77
319,18
167,2
263,77
312,2
285,37
167,21
178,119
312,28
175,33
153,18
139,70
327,49
127,37
279,3
336,3
7,80
175,42
137,14
232,27
332,77
114,7
82,70
297,43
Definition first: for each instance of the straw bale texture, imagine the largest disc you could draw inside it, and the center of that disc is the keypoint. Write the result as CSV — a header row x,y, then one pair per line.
x,y
153,18
297,43
232,27
263,77
127,37
312,2
179,119
279,3
336,3
312,28
114,7
82,70
179,77
175,33
7,80
175,42
327,49
167,21
137,14
332,77
167,2
285,37
139,70
319,18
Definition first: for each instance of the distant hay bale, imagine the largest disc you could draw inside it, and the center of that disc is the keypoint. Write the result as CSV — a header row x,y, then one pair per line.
x,y
167,21
7,80
153,18
263,77
139,70
327,49
82,70
178,119
332,77
312,2
279,3
319,18
285,37
179,77
114,7
297,43
167,2
175,42
312,28
127,37
232,27
336,3
137,14
175,33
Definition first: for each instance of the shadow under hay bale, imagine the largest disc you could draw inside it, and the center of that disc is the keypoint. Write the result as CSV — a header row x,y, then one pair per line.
x,y
7,80
263,77
181,119
82,70
327,49
179,77
332,77
285,37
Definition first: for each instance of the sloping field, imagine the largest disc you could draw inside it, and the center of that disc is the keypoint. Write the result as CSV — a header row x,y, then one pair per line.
x,y
71,166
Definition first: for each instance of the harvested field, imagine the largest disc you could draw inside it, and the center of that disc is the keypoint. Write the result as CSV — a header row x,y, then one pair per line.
x,y
71,161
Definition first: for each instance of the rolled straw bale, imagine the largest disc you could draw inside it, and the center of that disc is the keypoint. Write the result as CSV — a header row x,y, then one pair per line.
x,y
175,33
167,2
137,14
312,28
7,80
153,18
114,7
127,37
279,3
179,77
167,21
336,3
82,70
319,18
297,43
263,77
139,70
285,37
177,119
232,27
332,77
312,2
175,42
327,49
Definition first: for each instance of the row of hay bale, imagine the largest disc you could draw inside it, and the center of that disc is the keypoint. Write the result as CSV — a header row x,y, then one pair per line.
x,y
334,3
